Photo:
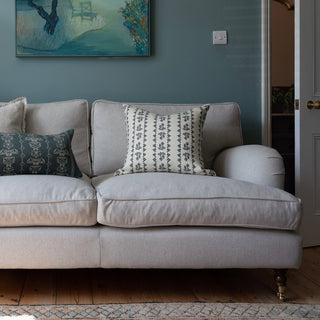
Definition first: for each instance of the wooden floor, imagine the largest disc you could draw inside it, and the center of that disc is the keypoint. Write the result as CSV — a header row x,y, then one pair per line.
x,y
95,286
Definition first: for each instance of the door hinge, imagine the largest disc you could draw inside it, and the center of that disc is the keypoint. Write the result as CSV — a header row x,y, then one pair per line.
x,y
297,104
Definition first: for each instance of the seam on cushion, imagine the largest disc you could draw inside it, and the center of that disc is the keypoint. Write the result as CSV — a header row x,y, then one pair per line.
x,y
169,104
13,101
61,102
249,226
44,202
208,198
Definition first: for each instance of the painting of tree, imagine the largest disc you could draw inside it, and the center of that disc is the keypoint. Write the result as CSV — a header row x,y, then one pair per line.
x,y
51,19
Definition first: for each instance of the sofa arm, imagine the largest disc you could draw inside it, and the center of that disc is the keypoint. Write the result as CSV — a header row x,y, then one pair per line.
x,y
253,163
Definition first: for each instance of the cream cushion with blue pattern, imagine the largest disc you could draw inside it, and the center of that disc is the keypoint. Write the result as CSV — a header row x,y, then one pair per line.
x,y
164,143
12,116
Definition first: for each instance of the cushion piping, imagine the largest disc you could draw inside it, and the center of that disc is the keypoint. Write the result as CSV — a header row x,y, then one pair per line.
x,y
248,226
199,198
44,202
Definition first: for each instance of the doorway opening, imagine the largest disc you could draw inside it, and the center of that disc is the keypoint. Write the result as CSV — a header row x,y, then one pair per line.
x,y
282,85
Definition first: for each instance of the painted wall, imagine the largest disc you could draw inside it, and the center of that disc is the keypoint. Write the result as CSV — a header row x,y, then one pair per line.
x,y
184,67
282,45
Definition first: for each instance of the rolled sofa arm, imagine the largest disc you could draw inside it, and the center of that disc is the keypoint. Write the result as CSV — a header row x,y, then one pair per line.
x,y
252,163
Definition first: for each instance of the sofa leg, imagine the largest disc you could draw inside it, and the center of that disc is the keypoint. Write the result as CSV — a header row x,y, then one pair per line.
x,y
280,276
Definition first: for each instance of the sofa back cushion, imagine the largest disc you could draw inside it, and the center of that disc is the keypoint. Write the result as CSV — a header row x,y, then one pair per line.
x,y
57,117
222,129
12,116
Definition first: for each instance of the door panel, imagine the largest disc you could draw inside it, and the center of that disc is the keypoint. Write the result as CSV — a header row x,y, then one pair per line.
x,y
307,122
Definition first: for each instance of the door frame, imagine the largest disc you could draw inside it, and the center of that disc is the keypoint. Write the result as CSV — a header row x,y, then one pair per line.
x,y
266,72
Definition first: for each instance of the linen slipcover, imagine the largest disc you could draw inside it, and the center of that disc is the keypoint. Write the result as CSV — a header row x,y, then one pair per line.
x,y
169,199
199,247
165,247
49,247
46,200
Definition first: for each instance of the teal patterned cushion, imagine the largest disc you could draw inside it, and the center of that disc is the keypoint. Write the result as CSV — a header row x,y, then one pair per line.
x,y
170,143
22,153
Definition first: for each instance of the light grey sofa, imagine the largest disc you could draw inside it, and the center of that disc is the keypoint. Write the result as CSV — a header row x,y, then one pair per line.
x,y
239,219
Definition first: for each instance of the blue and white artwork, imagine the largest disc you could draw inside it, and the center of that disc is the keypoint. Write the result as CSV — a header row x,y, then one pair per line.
x,y
82,28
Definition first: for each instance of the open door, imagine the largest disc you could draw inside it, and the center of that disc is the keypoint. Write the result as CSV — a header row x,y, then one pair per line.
x,y
307,116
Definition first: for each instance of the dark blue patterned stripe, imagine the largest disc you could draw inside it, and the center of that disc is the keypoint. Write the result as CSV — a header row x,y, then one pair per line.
x,y
179,144
48,162
22,164
199,138
192,141
144,155
127,121
134,121
67,153
155,143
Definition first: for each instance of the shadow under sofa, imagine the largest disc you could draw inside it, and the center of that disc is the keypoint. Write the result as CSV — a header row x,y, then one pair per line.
x,y
240,219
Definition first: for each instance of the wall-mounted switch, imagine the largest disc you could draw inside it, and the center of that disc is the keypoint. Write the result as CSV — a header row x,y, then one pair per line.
x,y
220,37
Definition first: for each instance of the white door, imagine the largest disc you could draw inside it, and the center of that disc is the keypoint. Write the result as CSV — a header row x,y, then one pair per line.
x,y
307,126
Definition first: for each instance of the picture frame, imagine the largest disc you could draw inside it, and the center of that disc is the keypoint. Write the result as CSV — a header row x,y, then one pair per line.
x,y
54,28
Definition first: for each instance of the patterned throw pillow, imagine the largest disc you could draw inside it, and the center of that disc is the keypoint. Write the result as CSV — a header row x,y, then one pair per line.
x,y
12,116
22,153
170,143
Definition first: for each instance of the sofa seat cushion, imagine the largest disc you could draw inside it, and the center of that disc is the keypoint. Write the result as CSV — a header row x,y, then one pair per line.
x,y
167,199
45,200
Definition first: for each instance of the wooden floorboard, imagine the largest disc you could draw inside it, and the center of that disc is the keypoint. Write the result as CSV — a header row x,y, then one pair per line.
x,y
97,286
40,288
74,287
11,286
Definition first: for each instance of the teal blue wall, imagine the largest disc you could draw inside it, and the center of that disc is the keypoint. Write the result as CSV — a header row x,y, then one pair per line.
x,y
184,67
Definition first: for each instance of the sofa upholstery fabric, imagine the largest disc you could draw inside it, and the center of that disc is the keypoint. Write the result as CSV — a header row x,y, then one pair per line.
x,y
56,117
49,247
222,129
253,163
43,200
199,247
168,199
165,247
12,116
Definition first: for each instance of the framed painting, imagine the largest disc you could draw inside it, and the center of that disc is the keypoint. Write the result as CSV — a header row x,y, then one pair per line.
x,y
83,27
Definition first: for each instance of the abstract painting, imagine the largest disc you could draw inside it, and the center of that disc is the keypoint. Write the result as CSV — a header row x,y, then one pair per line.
x,y
83,27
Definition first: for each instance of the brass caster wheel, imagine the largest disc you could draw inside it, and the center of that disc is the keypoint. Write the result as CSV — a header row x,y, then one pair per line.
x,y
281,293
281,281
